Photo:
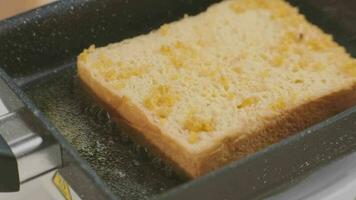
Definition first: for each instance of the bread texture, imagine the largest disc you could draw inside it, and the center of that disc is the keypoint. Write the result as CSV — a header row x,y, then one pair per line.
x,y
210,89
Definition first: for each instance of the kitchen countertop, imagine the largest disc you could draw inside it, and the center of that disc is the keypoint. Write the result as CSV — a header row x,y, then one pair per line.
x,y
10,8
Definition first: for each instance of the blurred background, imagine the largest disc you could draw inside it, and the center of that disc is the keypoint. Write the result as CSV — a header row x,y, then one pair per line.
x,y
10,8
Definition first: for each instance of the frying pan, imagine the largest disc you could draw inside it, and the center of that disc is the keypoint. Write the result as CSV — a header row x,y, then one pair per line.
x,y
38,50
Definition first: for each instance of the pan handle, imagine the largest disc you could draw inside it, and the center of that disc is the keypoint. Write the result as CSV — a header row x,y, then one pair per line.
x,y
9,174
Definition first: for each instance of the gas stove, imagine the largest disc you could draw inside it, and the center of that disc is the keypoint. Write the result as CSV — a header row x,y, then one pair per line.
x,y
29,155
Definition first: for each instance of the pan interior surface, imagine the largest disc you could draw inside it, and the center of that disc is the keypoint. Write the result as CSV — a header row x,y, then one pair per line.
x,y
129,171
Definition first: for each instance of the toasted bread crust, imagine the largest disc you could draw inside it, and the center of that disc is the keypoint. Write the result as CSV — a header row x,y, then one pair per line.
x,y
278,128
131,118
136,123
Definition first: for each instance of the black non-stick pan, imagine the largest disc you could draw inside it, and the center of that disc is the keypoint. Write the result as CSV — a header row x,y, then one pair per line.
x,y
38,50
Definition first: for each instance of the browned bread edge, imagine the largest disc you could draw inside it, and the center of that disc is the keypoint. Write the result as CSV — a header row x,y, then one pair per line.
x,y
229,149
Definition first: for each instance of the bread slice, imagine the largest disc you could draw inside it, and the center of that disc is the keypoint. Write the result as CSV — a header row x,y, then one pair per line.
x,y
213,88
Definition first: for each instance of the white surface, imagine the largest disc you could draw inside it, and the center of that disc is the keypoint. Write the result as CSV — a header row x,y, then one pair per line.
x,y
3,109
41,188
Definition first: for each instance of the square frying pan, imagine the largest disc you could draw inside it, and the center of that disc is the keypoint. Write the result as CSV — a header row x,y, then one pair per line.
x,y
38,51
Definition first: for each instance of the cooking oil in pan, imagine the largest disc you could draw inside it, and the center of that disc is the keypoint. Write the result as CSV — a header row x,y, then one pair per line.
x,y
102,117
128,169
